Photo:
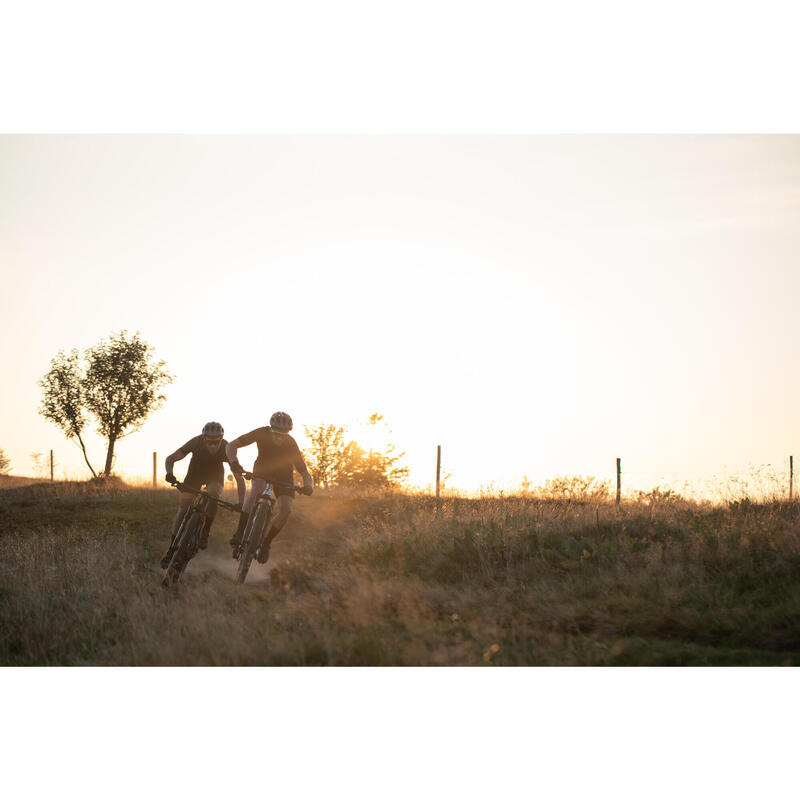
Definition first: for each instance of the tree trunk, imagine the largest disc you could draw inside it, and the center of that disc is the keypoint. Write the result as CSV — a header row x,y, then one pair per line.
x,y
85,457
109,456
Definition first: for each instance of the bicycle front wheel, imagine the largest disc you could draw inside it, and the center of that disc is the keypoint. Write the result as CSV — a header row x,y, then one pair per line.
x,y
252,539
185,549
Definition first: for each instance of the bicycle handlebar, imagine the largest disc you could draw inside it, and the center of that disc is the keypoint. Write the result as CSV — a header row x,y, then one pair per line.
x,y
249,476
182,487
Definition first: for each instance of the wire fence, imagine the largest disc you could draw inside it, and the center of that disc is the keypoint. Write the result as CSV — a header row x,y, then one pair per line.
x,y
757,482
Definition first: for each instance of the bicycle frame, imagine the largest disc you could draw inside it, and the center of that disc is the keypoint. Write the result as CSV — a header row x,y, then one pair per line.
x,y
201,503
199,506
250,546
267,496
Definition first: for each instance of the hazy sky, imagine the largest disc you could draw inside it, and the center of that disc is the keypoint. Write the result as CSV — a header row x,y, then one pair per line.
x,y
536,305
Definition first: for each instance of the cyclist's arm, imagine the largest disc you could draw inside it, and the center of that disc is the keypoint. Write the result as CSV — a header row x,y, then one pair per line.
x,y
300,466
241,487
230,453
232,446
170,460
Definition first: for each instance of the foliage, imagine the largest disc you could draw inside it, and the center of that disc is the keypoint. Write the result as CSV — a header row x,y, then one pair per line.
x,y
334,463
63,399
117,382
326,455
372,469
5,463
575,487
659,497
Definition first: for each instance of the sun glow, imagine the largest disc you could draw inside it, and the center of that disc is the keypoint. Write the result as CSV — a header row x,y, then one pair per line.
x,y
535,305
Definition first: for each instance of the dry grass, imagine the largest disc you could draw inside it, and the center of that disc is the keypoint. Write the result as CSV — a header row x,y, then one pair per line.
x,y
402,580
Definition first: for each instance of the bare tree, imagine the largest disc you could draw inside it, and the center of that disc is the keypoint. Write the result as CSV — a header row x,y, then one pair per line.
x,y
120,387
5,462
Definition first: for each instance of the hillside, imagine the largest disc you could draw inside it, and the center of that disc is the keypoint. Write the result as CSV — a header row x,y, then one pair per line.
x,y
401,580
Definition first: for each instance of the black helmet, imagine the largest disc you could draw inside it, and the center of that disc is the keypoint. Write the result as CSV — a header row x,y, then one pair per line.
x,y
281,422
212,429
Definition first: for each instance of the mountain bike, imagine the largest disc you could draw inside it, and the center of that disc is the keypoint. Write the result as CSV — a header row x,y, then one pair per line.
x,y
257,527
186,541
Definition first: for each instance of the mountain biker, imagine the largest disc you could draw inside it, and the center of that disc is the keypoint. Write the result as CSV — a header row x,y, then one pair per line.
x,y
278,455
205,468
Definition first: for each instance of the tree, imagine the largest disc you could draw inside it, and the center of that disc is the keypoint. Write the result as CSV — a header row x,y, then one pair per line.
x,y
64,400
372,469
5,462
118,383
326,455
334,463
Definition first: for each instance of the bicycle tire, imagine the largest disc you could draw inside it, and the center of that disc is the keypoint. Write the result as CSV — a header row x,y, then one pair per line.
x,y
252,538
185,550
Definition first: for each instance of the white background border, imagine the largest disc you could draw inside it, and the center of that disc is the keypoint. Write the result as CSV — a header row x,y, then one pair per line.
x,y
429,67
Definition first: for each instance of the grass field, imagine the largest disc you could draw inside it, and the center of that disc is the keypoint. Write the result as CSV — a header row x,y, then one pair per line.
x,y
402,580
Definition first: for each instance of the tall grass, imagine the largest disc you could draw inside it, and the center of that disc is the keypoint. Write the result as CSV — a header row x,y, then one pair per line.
x,y
403,579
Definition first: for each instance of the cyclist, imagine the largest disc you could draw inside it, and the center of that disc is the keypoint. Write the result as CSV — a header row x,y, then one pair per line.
x,y
278,455
205,468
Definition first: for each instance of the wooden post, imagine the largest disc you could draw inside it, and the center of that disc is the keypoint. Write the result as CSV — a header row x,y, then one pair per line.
x,y
51,467
619,479
438,466
791,476
154,469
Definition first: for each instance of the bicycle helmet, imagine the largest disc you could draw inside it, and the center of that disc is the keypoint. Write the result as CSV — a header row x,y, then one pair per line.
x,y
212,429
281,422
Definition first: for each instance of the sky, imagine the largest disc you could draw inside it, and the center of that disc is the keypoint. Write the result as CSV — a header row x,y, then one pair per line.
x,y
536,305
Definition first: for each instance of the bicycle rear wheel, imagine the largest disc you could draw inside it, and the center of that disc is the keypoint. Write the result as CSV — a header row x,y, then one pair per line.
x,y
187,545
252,539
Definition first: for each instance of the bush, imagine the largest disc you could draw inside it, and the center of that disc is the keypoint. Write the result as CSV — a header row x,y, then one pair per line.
x,y
575,487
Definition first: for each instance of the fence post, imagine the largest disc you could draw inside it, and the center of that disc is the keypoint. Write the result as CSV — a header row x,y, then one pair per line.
x,y
619,479
154,469
438,466
791,477
51,466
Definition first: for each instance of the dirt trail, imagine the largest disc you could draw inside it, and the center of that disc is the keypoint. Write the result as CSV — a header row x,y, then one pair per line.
x,y
290,544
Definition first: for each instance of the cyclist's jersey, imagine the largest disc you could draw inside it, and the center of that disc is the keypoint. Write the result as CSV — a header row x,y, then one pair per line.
x,y
205,466
275,463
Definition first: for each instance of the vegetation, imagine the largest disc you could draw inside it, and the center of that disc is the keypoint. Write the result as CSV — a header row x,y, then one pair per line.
x,y
334,463
5,462
388,578
117,382
326,455
575,487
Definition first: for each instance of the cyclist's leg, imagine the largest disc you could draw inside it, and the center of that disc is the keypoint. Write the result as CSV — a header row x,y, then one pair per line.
x,y
283,508
214,488
257,486
183,506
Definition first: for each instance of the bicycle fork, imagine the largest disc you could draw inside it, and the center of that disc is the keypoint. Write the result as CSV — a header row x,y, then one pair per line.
x,y
263,499
186,517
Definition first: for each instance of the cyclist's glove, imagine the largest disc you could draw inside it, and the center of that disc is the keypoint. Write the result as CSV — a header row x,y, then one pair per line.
x,y
170,478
